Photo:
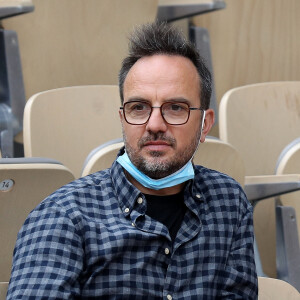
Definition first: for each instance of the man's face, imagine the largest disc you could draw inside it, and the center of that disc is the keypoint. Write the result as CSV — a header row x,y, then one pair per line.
x,y
157,148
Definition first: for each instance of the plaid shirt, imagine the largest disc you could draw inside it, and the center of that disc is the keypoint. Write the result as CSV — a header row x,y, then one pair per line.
x,y
91,239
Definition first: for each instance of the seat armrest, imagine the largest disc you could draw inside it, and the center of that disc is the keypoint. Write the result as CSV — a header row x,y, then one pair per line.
x,y
10,8
172,10
262,187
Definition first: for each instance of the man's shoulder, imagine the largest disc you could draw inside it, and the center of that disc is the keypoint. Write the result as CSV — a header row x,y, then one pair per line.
x,y
88,199
82,188
221,190
213,176
90,180
218,184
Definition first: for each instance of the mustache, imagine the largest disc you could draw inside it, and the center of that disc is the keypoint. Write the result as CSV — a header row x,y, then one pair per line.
x,y
156,137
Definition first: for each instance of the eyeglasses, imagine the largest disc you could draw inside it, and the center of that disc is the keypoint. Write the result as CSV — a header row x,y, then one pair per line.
x,y
173,113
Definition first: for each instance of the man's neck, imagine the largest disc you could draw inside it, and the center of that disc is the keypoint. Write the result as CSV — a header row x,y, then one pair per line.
x,y
163,192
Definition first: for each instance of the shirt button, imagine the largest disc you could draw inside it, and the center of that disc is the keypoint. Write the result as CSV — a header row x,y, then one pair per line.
x,y
167,251
198,196
169,297
133,224
126,210
140,200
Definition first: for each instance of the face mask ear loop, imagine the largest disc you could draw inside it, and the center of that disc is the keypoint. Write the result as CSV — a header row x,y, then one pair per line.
x,y
202,123
199,142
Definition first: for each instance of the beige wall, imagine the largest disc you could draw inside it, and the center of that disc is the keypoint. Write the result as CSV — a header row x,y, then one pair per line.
x,y
76,42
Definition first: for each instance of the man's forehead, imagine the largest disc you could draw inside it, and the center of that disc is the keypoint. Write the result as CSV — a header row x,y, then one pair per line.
x,y
159,60
166,74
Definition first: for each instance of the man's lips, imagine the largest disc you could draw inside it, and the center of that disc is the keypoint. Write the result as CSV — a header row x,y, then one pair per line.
x,y
156,145
156,142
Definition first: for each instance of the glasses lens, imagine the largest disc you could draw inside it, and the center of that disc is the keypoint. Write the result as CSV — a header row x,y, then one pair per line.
x,y
175,113
137,112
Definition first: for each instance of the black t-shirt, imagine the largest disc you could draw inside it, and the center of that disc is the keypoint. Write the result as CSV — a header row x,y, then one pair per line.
x,y
169,210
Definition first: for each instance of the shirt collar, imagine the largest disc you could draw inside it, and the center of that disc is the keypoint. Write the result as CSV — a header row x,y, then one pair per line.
x,y
127,193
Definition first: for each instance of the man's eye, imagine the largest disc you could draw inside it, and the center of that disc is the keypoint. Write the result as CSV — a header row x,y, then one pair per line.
x,y
138,107
176,107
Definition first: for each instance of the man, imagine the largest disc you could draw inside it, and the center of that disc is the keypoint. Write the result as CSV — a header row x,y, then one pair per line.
x,y
153,226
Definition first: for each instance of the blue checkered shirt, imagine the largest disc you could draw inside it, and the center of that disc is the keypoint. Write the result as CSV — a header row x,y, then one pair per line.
x,y
91,239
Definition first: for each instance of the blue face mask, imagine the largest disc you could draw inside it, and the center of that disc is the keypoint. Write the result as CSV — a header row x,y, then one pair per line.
x,y
184,174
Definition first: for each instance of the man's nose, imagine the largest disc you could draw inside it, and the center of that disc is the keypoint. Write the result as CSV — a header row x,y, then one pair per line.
x,y
156,122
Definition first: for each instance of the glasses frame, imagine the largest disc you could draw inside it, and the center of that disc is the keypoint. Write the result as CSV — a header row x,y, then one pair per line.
x,y
161,108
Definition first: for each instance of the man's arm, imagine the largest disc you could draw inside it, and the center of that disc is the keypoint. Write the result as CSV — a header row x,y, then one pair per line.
x,y
48,256
240,273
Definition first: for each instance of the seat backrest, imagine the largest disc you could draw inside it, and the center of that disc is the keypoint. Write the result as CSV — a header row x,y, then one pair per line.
x,y
3,290
67,123
213,154
24,183
259,120
221,156
289,163
274,289
289,159
102,157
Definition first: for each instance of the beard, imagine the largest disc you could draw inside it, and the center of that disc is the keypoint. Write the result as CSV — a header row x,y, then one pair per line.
x,y
159,166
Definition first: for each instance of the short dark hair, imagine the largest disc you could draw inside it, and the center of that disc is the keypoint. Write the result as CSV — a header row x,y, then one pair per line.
x,y
162,38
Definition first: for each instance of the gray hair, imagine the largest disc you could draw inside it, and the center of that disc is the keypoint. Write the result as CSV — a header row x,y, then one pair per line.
x,y
162,38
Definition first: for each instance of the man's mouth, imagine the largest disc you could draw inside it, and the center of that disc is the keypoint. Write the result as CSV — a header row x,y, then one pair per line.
x,y
157,142
157,145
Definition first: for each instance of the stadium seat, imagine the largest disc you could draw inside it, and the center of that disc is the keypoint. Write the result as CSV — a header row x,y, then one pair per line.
x,y
86,40
171,10
289,163
10,8
67,123
82,53
289,159
259,120
218,155
24,183
102,157
3,290
210,154
12,93
275,289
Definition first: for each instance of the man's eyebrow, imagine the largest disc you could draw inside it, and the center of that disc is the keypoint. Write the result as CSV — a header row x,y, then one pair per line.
x,y
130,99
173,99
178,99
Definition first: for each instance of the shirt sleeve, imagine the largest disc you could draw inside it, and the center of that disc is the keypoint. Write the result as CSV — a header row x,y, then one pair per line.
x,y
48,256
240,273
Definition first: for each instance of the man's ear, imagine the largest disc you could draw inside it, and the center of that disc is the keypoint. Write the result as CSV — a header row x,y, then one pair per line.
x,y
121,115
207,124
